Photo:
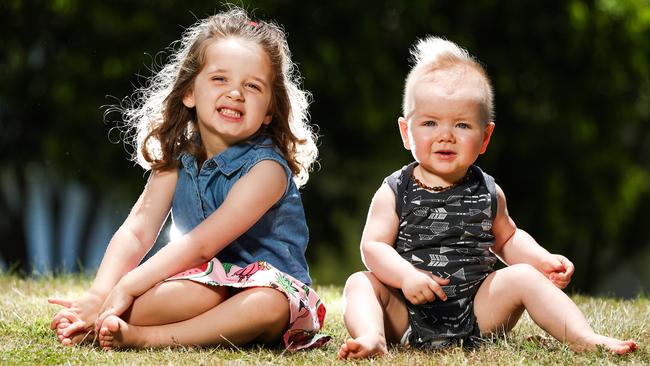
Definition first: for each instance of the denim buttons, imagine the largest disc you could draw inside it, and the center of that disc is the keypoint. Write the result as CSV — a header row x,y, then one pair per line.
x,y
212,164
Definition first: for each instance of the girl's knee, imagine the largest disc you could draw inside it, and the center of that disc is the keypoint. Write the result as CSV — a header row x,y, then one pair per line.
x,y
272,305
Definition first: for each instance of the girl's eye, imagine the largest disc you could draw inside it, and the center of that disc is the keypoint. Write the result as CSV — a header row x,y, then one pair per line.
x,y
463,125
430,123
218,78
253,86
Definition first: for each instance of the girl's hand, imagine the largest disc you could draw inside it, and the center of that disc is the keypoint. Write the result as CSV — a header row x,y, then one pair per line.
x,y
558,269
117,302
78,316
421,286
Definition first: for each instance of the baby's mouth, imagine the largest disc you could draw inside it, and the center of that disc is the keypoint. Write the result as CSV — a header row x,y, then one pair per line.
x,y
445,152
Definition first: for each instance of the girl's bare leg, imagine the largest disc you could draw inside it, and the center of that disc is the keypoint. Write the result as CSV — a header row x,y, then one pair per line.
x,y
505,294
257,314
373,314
173,301
167,302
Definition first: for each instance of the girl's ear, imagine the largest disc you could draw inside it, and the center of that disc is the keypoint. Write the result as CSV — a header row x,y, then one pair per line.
x,y
268,118
487,133
188,99
404,132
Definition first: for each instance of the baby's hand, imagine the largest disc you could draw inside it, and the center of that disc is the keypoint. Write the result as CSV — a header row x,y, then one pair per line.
x,y
422,286
558,269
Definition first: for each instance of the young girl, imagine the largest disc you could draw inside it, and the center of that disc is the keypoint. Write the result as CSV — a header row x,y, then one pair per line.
x,y
436,227
223,128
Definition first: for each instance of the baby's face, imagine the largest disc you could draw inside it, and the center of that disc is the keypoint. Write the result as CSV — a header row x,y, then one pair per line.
x,y
445,130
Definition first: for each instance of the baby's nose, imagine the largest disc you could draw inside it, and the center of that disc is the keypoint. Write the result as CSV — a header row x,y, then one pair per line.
x,y
445,134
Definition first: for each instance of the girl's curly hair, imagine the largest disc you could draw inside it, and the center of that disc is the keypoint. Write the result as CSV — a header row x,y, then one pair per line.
x,y
161,126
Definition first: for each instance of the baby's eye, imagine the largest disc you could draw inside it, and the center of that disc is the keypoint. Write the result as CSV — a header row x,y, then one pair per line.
x,y
218,78
463,125
430,123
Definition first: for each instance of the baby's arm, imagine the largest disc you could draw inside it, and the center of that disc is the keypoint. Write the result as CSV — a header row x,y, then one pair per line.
x,y
513,245
126,249
245,204
380,256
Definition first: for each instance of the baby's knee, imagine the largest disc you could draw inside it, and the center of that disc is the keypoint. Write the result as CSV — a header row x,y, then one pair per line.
x,y
359,280
524,274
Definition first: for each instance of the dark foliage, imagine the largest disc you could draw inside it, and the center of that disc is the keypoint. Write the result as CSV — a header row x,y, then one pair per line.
x,y
572,83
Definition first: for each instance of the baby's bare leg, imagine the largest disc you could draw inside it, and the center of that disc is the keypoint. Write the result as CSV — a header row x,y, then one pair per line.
x,y
373,314
173,301
257,314
507,292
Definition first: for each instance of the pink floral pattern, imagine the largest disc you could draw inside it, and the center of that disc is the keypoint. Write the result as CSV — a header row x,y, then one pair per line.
x,y
306,309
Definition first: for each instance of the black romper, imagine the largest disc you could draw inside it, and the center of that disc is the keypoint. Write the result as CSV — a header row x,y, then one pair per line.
x,y
448,233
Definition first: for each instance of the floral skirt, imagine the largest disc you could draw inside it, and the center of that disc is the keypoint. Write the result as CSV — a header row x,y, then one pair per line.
x,y
307,312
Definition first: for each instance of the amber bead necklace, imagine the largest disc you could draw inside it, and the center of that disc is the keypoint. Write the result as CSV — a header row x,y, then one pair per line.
x,y
462,180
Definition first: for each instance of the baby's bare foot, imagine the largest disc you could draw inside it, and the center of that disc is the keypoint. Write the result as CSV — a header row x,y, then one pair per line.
x,y
613,345
363,347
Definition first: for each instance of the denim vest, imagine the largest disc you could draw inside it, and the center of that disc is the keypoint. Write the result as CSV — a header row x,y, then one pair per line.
x,y
279,237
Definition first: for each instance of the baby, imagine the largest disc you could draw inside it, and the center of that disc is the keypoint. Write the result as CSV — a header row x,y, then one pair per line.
x,y
437,226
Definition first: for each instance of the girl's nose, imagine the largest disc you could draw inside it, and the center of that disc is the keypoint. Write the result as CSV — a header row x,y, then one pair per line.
x,y
235,94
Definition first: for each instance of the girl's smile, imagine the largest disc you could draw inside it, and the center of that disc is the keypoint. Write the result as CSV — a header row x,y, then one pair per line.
x,y
230,113
231,93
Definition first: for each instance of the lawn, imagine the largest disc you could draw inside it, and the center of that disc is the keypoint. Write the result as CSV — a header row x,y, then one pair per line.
x,y
25,337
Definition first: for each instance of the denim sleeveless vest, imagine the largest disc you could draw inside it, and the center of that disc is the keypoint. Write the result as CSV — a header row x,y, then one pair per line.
x,y
280,237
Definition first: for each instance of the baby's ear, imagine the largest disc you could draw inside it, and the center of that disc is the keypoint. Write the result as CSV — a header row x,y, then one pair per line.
x,y
188,99
487,134
404,132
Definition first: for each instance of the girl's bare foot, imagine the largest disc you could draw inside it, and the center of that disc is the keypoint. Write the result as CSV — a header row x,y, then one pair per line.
x,y
613,345
82,337
60,327
112,333
363,347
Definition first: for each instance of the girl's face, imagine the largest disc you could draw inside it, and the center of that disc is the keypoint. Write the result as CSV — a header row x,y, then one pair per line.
x,y
445,131
231,93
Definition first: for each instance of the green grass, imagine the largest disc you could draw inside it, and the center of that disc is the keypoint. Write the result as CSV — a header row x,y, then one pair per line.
x,y
25,337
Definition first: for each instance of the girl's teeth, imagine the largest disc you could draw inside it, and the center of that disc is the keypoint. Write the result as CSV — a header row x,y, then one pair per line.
x,y
230,113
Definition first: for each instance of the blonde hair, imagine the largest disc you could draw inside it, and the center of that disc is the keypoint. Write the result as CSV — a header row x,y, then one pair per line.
x,y
161,126
435,53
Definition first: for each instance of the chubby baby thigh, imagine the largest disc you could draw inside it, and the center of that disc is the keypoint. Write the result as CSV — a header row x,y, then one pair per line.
x,y
498,304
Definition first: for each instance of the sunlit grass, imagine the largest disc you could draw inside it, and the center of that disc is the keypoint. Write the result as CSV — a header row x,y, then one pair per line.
x,y
25,337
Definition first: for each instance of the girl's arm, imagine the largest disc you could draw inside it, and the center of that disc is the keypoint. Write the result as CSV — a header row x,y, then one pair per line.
x,y
379,255
125,250
138,233
248,200
513,245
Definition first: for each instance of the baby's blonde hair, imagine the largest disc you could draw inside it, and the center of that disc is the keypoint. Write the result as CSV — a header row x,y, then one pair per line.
x,y
434,53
